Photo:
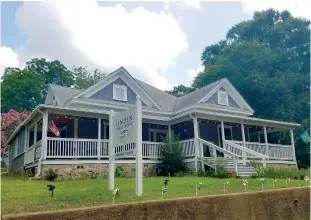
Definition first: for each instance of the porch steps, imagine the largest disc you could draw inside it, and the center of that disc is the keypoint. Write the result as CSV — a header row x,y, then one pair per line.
x,y
244,171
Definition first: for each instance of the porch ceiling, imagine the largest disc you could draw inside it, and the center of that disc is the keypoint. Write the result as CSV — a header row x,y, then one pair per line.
x,y
60,120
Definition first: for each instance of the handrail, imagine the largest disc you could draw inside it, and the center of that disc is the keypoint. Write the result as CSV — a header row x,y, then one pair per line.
x,y
35,145
246,149
247,142
218,148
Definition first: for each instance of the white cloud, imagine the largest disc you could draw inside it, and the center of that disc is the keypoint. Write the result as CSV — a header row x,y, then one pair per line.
x,y
82,33
299,8
186,4
8,58
192,73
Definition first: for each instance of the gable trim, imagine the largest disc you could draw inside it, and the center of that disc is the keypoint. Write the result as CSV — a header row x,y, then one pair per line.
x,y
235,95
127,78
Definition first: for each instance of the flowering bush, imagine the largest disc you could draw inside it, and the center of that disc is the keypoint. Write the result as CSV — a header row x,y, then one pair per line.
x,y
9,122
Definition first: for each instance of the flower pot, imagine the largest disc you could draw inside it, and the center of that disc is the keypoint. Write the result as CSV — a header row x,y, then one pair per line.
x,y
231,174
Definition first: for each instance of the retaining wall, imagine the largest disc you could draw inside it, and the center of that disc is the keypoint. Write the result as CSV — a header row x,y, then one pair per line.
x,y
285,204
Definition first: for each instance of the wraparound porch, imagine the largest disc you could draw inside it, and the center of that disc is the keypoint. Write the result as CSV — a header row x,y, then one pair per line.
x,y
87,138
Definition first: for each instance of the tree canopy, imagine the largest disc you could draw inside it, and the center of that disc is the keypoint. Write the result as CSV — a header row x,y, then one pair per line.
x,y
24,89
267,59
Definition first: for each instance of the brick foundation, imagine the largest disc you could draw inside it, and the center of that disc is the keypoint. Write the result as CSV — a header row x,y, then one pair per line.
x,y
85,171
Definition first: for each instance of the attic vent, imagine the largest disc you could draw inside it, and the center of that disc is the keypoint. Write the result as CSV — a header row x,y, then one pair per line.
x,y
119,92
222,98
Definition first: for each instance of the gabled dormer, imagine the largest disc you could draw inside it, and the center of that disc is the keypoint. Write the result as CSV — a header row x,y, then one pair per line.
x,y
119,87
225,96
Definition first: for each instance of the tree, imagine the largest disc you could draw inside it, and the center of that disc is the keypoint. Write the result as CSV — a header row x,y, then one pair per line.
x,y
267,57
172,158
24,89
20,90
84,78
180,90
9,122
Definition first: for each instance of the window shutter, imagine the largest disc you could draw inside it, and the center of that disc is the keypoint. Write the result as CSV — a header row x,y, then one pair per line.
x,y
222,98
119,92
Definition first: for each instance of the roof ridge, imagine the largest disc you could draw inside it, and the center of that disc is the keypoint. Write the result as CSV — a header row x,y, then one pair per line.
x,y
67,87
217,81
155,88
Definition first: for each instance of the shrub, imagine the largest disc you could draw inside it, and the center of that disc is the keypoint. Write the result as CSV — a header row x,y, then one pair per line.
x,y
282,172
221,171
179,174
119,171
50,175
171,160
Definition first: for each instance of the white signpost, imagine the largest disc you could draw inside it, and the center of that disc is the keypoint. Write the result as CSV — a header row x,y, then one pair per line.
x,y
125,131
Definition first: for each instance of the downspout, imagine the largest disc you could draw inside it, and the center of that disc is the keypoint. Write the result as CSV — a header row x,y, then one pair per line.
x,y
196,143
40,160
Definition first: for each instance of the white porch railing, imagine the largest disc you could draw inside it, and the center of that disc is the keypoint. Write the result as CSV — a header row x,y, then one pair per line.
x,y
188,147
76,148
33,153
275,151
280,152
242,151
152,149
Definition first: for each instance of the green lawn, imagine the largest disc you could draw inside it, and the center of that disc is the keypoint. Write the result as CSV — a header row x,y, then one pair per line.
x,y
20,196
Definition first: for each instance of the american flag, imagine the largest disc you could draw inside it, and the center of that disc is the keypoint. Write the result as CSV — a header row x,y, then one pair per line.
x,y
53,128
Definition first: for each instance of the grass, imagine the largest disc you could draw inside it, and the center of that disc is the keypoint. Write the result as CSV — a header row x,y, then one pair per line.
x,y
21,196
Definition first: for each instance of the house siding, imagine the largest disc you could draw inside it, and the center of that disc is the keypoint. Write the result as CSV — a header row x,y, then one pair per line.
x,y
214,100
16,164
106,93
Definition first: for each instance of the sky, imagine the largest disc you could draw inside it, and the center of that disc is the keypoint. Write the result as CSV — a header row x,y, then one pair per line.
x,y
158,42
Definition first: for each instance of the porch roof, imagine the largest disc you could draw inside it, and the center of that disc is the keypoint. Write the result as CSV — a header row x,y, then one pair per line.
x,y
165,116
246,120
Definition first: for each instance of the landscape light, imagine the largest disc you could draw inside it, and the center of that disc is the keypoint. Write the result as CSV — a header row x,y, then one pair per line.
x,y
51,189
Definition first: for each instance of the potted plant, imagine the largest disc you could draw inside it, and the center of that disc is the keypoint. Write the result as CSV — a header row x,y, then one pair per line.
x,y
231,173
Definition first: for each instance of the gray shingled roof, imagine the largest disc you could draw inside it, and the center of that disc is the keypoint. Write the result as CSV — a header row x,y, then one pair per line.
x,y
166,101
63,94
194,97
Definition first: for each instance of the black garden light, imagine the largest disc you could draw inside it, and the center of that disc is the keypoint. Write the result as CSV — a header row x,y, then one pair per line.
x,y
51,188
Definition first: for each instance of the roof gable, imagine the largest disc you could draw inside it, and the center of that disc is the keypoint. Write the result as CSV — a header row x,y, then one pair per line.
x,y
126,78
59,94
235,98
195,97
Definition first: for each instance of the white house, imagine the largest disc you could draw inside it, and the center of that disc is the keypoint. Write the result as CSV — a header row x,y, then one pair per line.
x,y
214,121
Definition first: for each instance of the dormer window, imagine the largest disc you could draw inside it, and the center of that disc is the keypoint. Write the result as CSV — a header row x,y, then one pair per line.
x,y
119,92
222,98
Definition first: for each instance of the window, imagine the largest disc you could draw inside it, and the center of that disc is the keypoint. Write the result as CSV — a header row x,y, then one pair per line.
x,y
157,135
119,92
222,97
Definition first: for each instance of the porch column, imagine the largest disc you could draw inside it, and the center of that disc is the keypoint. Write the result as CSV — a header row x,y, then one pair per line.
x,y
99,138
223,133
44,142
244,144
293,144
26,140
169,132
35,134
196,143
266,142
75,127
75,135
